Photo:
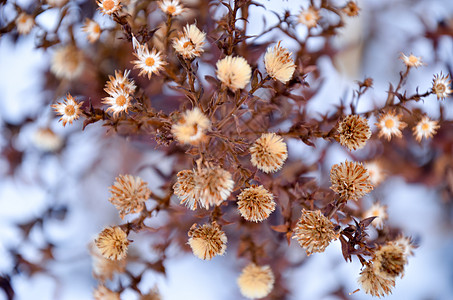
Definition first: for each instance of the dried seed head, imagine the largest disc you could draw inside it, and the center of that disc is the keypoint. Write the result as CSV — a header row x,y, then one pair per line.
x,y
213,186
379,211
256,203
92,29
256,281
184,188
234,72
389,261
406,244
103,268
103,293
171,7
375,172
309,17
425,128
46,140
189,44
314,231
207,241
149,62
269,153
279,64
112,242
129,194
24,23
390,124
411,60
69,109
191,128
68,62
108,7
119,101
350,180
374,284
441,86
354,132
351,9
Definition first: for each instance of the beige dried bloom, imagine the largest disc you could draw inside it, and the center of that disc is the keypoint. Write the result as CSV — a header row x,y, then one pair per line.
x,y
309,17
24,23
108,7
389,261
412,60
45,139
103,268
121,82
112,242
103,293
189,44
119,101
354,132
373,284
314,231
279,64
129,194
375,172
441,86
92,29
256,282
191,128
185,190
234,72
68,62
148,62
379,211
69,109
390,124
256,203
406,244
171,7
425,128
207,241
269,152
351,9
350,180
213,186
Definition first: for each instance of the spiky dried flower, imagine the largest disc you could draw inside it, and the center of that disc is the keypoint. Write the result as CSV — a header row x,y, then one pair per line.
x,y
112,243
354,132
213,186
207,241
92,29
389,261
255,203
412,60
234,72
441,86
190,42
351,9
121,82
379,211
314,231
350,180
108,7
255,281
375,172
103,268
148,62
309,17
373,284
390,124
45,139
24,23
185,190
129,194
192,126
119,101
68,62
69,109
103,293
279,64
425,128
269,152
171,7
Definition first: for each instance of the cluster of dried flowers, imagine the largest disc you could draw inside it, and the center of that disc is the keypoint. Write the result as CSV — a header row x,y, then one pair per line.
x,y
227,135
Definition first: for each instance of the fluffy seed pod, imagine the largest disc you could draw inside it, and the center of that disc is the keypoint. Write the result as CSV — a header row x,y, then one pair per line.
x,y
269,153
350,180
373,284
354,132
113,243
389,261
256,203
207,241
256,281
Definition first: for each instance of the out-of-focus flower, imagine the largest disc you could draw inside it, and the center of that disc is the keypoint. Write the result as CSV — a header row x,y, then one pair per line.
x,y
189,44
185,189
351,9
69,109
354,132
171,7
108,7
24,23
207,241
314,231
412,60
151,295
350,180
103,268
103,293
425,128
112,242
375,172
309,17
191,128
148,62
389,261
379,211
373,284
406,244
441,86
92,29
256,281
213,186
234,72
56,3
68,62
269,152
279,64
256,203
390,124
46,140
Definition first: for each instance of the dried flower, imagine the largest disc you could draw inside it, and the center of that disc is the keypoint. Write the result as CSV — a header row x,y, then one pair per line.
x,y
108,7
189,44
375,172
269,152
406,244
103,268
279,64
69,109
354,132
256,281
68,62
389,261
184,188
103,293
374,284
234,72
350,180
92,29
412,60
379,211
119,101
213,186
441,86
351,9
46,140
191,128
390,124
121,82
129,194
171,7
207,241
24,23
256,203
112,242
148,62
314,231
425,128
309,17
